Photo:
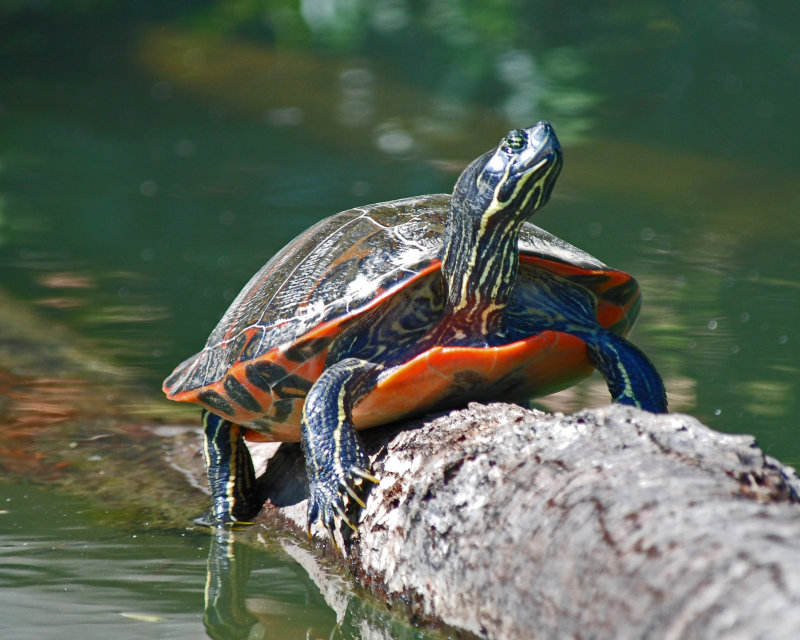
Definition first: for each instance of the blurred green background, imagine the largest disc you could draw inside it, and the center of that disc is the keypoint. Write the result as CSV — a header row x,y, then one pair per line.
x,y
153,155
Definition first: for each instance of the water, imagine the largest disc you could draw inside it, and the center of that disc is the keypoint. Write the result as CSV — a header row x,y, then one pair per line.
x,y
66,575
151,159
66,572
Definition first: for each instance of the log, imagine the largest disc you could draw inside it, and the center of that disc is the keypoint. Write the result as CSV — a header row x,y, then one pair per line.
x,y
609,523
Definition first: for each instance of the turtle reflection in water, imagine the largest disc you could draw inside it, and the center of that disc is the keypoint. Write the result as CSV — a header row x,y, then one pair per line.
x,y
399,308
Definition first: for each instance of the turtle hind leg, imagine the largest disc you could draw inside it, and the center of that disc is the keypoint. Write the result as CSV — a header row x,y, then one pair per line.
x,y
631,377
231,476
336,464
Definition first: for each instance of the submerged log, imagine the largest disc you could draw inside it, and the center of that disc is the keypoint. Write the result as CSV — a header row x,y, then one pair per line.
x,y
610,523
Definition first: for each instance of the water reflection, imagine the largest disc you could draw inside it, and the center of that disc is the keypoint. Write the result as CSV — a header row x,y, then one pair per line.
x,y
65,574
266,605
243,600
229,565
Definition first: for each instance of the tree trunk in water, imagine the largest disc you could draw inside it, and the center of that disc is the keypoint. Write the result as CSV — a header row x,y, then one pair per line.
x,y
610,523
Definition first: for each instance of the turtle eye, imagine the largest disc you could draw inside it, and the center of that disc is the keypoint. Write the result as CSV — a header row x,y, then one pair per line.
x,y
514,141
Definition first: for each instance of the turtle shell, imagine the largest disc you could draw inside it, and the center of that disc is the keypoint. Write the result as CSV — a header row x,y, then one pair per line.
x,y
272,343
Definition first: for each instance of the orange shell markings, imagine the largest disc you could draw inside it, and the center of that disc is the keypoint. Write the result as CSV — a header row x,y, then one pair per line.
x,y
544,361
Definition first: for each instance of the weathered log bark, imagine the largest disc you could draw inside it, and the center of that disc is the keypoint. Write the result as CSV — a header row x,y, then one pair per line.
x,y
610,523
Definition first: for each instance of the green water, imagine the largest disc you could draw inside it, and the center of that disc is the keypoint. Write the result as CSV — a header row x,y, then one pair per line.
x,y
151,159
66,574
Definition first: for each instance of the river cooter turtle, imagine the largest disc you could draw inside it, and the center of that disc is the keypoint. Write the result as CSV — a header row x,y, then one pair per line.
x,y
400,308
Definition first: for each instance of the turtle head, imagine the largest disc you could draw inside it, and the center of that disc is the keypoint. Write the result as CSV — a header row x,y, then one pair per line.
x,y
513,180
492,199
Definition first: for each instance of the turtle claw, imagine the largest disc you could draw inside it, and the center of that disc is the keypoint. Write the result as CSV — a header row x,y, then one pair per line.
x,y
339,512
332,533
355,497
347,521
366,475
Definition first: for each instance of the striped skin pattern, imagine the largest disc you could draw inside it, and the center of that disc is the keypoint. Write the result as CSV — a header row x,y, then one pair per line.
x,y
395,309
227,459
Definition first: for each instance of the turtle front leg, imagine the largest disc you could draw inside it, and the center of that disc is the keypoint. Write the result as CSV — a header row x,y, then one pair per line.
x,y
336,464
631,377
231,476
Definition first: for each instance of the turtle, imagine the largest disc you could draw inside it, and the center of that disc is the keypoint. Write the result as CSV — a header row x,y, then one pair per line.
x,y
401,308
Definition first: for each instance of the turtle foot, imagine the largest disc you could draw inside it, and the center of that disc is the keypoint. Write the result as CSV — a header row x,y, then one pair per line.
x,y
336,464
336,499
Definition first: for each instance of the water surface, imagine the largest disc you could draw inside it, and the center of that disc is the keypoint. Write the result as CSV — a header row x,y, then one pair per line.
x,y
151,159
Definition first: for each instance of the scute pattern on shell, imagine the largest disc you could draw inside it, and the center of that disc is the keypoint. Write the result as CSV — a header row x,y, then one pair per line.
x,y
332,270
